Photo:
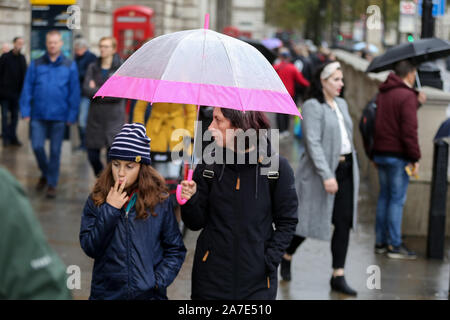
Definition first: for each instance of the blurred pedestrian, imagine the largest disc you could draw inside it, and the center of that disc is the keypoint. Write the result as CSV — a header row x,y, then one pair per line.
x,y
106,115
83,58
327,178
303,63
289,75
29,267
50,98
128,225
13,68
396,146
163,120
239,250
5,48
322,56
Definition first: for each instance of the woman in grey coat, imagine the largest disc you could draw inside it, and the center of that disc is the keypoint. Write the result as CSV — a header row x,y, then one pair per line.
x,y
106,115
327,180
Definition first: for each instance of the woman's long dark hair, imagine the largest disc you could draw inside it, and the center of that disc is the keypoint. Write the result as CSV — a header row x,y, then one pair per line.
x,y
247,120
316,90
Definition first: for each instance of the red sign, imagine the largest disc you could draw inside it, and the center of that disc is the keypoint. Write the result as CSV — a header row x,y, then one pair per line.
x,y
407,8
236,33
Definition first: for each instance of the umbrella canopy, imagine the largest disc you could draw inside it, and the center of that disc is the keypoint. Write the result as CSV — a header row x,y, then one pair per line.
x,y
272,43
201,67
362,45
419,51
266,52
444,130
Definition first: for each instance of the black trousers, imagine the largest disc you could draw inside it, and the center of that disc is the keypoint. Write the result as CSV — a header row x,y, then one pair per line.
x,y
10,118
94,159
342,218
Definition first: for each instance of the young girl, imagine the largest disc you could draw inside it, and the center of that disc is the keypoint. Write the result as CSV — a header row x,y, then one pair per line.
x,y
128,225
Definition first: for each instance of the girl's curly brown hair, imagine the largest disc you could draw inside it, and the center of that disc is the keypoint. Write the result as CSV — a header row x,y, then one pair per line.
x,y
152,189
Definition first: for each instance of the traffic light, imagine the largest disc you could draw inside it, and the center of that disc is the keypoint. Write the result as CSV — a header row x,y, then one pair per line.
x,y
410,38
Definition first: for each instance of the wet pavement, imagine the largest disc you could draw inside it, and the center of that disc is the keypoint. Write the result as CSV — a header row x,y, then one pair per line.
x,y
311,267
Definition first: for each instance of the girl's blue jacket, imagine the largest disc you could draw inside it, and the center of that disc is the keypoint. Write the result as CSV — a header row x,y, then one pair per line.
x,y
134,259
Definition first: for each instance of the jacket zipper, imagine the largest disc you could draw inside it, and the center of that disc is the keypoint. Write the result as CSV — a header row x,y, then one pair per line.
x,y
128,254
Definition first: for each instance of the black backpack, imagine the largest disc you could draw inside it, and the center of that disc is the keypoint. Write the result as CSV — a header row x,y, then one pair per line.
x,y
210,171
367,126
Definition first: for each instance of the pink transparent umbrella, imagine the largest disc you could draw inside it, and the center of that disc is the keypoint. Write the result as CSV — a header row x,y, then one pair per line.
x,y
201,67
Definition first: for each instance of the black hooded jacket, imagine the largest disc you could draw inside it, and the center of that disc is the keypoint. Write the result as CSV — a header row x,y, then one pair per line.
x,y
13,68
247,225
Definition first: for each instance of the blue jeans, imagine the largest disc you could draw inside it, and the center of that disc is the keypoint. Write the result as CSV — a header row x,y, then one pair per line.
x,y
10,117
54,130
393,187
84,111
82,120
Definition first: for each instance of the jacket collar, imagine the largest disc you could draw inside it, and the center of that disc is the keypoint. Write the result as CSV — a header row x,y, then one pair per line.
x,y
116,62
253,157
57,61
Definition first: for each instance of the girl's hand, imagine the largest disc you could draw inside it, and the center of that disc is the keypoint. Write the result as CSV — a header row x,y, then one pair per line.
x,y
116,196
189,188
92,84
331,186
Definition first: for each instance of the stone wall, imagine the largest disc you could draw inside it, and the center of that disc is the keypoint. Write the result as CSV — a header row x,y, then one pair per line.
x,y
359,89
15,19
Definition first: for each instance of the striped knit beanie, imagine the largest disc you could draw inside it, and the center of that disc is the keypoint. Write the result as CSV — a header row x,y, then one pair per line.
x,y
131,144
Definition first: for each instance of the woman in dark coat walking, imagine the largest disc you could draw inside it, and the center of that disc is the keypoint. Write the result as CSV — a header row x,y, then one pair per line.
x,y
235,203
106,115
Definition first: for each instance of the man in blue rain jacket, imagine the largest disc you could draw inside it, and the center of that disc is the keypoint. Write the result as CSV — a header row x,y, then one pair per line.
x,y
50,100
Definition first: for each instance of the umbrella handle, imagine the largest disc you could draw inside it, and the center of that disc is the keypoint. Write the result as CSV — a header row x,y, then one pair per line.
x,y
181,200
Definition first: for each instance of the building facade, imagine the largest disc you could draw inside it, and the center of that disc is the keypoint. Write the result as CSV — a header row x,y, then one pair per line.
x,y
96,18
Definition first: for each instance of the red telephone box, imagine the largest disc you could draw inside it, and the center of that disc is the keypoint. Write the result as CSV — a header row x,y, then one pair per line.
x,y
233,31
132,27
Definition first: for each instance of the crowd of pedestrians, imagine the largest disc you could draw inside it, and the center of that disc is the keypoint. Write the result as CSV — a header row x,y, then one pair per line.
x,y
251,223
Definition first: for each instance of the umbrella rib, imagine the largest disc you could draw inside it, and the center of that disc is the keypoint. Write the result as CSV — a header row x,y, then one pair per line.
x,y
232,71
202,65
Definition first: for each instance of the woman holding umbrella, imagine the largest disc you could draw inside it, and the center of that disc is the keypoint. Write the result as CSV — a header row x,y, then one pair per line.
x,y
327,179
238,250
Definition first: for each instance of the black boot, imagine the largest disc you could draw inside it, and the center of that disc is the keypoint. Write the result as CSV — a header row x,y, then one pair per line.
x,y
340,285
285,269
